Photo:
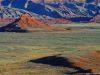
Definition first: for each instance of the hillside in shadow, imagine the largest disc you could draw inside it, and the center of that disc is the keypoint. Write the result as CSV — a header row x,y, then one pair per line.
x,y
61,62
12,27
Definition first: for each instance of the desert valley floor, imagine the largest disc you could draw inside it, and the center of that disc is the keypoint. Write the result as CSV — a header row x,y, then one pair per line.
x,y
51,53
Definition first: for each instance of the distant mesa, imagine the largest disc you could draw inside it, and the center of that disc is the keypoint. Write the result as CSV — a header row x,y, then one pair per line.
x,y
23,24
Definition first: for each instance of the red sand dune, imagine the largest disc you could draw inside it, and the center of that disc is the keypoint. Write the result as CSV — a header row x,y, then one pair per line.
x,y
92,61
27,21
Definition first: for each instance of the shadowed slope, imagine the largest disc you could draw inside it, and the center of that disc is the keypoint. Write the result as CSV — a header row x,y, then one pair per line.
x,y
60,61
12,27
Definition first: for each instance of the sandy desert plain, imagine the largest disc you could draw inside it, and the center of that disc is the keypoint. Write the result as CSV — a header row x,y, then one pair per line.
x,y
52,53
